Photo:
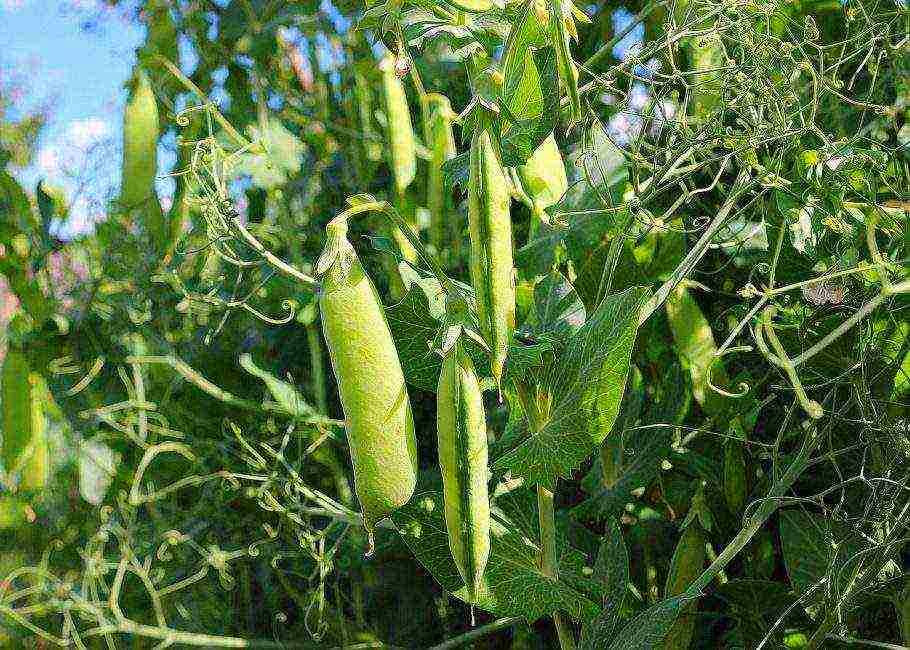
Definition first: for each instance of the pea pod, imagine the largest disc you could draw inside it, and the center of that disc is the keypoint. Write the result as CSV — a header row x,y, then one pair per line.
x,y
685,567
735,487
696,346
378,419
402,160
462,432
19,424
402,150
140,157
490,226
442,148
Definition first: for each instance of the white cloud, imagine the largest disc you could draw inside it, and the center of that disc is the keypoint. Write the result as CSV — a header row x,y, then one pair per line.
x,y
48,161
84,133
13,5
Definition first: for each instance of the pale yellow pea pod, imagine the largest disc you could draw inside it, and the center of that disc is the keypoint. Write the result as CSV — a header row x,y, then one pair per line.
x,y
543,178
378,419
462,432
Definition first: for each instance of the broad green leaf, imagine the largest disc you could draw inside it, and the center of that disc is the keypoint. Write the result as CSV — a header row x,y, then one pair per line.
x,y
586,381
531,99
647,630
514,584
612,569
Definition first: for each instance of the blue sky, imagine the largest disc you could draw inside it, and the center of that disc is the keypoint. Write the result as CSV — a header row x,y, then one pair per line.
x,y
80,73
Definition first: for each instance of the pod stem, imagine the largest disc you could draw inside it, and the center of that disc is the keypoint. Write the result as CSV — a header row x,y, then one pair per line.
x,y
370,204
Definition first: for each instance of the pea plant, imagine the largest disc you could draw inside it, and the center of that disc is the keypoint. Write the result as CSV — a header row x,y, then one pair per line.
x,y
474,323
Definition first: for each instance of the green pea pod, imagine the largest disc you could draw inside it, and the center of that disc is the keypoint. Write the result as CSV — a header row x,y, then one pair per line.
x,y
685,567
18,423
735,487
140,157
402,150
442,148
490,226
562,27
462,432
378,419
33,474
696,347
543,179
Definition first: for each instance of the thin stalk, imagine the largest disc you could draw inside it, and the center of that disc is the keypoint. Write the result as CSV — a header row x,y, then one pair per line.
x,y
477,633
698,251
547,521
317,368
765,509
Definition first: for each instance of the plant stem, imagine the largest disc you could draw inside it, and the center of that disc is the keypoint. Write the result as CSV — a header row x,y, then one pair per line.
x,y
766,508
547,520
476,633
317,368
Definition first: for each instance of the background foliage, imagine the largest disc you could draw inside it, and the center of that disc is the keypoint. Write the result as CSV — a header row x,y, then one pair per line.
x,y
713,311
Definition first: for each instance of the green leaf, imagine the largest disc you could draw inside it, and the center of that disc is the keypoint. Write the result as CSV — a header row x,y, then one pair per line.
x,y
557,308
281,161
531,98
414,321
808,552
285,394
612,569
647,630
455,171
587,380
514,584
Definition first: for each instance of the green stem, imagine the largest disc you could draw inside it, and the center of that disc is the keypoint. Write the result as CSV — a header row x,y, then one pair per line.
x,y
467,637
317,368
547,520
766,508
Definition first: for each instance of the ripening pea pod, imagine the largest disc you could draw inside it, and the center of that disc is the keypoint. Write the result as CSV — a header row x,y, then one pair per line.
x,y
378,420
562,15
685,567
402,148
543,179
462,432
19,421
441,142
140,158
402,154
490,225
696,346
735,487
33,474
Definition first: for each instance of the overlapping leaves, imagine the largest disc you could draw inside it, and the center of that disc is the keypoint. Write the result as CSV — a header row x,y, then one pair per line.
x,y
588,378
514,584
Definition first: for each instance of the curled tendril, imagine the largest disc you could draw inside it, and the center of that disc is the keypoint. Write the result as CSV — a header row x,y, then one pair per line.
x,y
742,387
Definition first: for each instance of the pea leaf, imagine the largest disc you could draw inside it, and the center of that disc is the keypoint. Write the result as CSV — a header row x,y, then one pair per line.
x,y
587,381
612,569
557,307
285,394
531,97
414,322
647,630
514,584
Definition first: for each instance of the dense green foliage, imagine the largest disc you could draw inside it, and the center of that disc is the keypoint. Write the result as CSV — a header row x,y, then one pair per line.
x,y
677,271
